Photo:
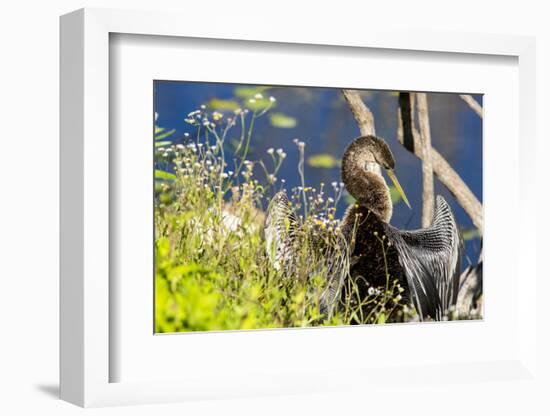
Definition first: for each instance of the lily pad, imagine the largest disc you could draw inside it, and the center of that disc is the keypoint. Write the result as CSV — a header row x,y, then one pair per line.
x,y
223,105
164,134
470,234
322,160
162,143
249,92
282,121
257,104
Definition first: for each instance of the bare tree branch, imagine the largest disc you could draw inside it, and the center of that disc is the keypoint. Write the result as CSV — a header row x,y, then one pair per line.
x,y
363,116
409,137
360,111
470,285
473,104
427,169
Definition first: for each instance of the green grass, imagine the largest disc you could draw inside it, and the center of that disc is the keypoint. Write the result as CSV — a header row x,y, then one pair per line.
x,y
212,270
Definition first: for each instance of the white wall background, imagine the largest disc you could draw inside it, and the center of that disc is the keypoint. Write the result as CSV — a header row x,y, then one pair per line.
x,y
29,188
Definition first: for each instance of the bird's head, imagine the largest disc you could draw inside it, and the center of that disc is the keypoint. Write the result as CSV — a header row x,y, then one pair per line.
x,y
369,154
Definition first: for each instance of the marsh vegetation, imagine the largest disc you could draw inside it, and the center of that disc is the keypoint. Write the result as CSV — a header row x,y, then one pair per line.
x,y
213,267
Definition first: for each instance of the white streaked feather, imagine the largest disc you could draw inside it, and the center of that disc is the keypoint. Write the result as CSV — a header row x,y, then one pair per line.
x,y
430,259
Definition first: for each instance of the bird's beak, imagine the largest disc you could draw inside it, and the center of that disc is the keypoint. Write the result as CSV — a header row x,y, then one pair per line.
x,y
393,178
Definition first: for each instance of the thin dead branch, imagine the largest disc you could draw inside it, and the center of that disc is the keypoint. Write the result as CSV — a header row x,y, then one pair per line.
x,y
427,169
409,137
363,116
470,285
473,104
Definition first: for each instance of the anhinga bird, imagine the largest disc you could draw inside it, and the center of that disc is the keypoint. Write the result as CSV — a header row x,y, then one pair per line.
x,y
425,262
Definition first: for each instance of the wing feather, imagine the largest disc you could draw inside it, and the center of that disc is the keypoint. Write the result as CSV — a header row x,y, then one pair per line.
x,y
281,226
329,250
431,259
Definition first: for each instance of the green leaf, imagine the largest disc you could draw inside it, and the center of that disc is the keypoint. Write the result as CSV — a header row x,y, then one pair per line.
x,y
257,104
470,234
159,129
165,134
223,105
249,92
161,174
282,121
160,144
322,160
163,247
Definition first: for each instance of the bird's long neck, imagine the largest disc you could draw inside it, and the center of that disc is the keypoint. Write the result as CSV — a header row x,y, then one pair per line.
x,y
365,183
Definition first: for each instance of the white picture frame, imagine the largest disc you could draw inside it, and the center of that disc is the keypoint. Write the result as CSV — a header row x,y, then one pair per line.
x,y
86,354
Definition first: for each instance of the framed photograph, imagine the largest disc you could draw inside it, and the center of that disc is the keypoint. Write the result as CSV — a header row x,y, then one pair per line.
x,y
285,213
308,233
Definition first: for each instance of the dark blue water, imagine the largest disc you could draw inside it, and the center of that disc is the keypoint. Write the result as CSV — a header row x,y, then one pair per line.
x,y
326,125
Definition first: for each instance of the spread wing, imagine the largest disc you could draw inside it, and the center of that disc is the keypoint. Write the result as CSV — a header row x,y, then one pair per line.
x,y
281,226
328,251
431,259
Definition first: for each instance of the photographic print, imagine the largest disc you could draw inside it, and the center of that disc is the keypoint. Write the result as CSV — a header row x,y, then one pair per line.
x,y
286,206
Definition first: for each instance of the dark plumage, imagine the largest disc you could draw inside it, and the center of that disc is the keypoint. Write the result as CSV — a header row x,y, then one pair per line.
x,y
425,263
